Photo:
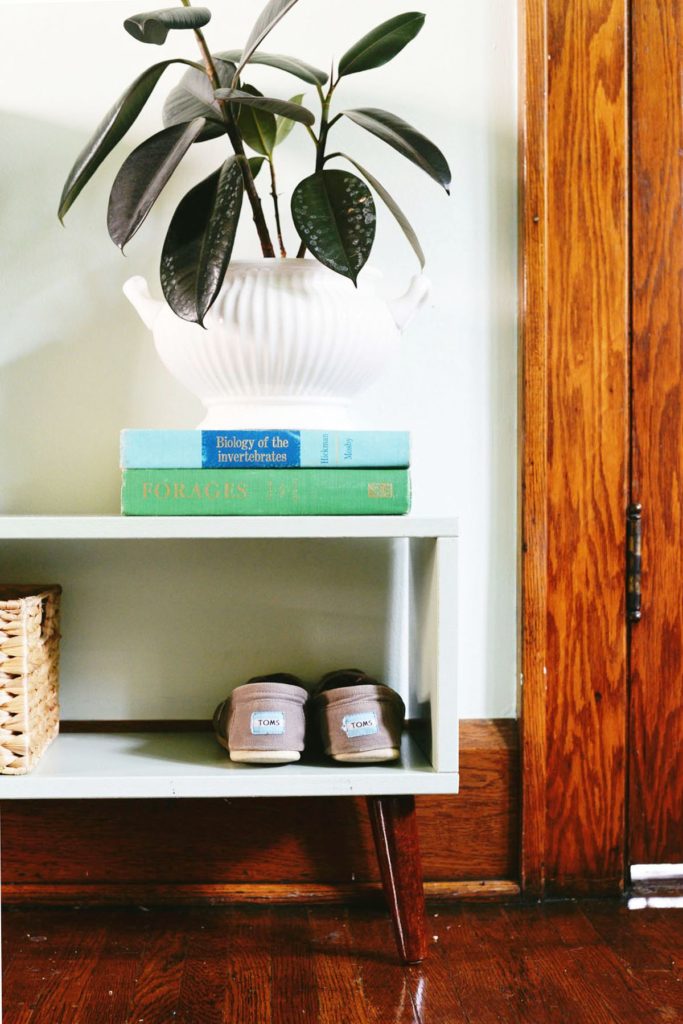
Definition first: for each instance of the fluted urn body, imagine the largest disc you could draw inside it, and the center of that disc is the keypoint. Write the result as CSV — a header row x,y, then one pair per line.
x,y
288,343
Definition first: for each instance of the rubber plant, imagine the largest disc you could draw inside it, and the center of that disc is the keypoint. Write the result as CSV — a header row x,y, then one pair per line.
x,y
333,208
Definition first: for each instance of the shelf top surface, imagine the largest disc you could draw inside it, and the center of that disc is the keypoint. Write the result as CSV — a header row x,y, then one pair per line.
x,y
179,527
158,765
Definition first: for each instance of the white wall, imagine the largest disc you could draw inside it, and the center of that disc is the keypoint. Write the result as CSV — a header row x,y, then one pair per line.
x,y
76,365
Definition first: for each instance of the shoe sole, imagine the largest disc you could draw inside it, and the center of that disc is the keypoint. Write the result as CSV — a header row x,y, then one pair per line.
x,y
368,756
260,756
264,756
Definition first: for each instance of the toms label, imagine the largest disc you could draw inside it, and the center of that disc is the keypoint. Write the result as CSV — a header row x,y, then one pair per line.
x,y
267,723
364,724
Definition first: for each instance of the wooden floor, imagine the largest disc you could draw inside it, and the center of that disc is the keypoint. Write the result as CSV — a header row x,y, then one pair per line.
x,y
563,963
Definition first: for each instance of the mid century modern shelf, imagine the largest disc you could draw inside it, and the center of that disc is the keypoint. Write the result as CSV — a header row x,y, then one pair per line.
x,y
153,764
121,577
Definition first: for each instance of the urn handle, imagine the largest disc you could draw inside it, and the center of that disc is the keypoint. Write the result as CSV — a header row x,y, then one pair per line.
x,y
136,291
404,308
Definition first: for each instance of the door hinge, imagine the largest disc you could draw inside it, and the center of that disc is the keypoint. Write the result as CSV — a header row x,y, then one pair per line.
x,y
634,551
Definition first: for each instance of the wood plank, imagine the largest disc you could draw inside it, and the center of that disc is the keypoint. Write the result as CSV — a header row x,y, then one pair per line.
x,y
334,943
653,943
389,994
294,991
205,985
102,894
600,971
656,762
108,993
561,961
19,1016
575,305
650,940
247,976
35,959
157,986
481,981
533,373
58,994
217,850
572,970
436,992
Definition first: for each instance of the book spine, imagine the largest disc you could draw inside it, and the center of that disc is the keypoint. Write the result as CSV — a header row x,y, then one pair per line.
x,y
162,449
231,492
263,449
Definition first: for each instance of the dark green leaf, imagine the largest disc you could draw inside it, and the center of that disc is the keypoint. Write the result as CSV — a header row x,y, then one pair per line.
x,y
199,242
143,176
391,203
382,44
255,163
111,130
193,97
334,214
154,26
253,98
285,124
267,20
293,65
406,139
257,127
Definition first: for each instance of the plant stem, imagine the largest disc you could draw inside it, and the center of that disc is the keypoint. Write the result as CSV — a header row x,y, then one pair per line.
x,y
324,128
276,206
236,141
321,141
250,187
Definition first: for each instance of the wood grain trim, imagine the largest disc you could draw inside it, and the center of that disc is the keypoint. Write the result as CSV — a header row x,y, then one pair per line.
x,y
656,748
66,850
125,894
575,332
489,734
533,439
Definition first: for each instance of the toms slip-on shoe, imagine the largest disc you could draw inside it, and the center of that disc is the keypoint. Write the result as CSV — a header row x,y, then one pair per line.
x,y
263,720
359,719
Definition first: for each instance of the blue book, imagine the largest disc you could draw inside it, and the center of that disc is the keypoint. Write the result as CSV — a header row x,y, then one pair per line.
x,y
264,449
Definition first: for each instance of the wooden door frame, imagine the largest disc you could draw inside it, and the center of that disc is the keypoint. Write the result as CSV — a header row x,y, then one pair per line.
x,y
574,420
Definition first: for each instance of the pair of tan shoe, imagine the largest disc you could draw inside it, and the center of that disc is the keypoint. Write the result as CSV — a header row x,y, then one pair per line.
x,y
349,716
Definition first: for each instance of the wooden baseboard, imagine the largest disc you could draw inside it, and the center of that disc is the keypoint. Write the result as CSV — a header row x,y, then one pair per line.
x,y
122,894
314,849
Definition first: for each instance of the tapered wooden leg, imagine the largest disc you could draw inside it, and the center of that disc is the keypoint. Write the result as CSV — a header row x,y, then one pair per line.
x,y
394,827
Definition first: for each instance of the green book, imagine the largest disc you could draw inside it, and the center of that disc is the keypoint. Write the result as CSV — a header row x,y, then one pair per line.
x,y
281,492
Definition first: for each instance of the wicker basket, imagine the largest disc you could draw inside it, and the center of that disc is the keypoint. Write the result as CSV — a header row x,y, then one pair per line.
x,y
29,674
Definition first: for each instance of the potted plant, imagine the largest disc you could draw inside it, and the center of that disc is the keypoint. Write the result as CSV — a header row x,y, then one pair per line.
x,y
280,340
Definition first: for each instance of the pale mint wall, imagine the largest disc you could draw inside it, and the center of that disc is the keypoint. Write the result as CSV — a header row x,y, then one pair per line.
x,y
76,365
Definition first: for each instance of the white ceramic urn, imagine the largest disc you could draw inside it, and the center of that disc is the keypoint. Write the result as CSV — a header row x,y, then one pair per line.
x,y
287,343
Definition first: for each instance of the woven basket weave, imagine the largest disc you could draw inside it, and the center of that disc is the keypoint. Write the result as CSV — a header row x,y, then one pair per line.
x,y
29,674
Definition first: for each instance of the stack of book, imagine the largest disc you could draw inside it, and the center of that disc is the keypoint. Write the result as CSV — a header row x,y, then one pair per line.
x,y
264,472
